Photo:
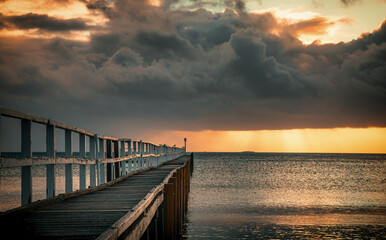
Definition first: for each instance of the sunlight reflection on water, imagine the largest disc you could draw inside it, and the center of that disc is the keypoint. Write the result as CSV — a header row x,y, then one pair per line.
x,y
281,196
10,184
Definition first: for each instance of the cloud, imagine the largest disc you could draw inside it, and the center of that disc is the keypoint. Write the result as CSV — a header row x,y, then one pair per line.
x,y
238,5
152,68
41,22
314,26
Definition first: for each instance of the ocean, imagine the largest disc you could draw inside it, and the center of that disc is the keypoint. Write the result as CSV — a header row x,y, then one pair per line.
x,y
287,196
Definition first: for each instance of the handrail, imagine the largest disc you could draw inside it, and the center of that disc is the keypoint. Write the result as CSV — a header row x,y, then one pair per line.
x,y
119,227
105,164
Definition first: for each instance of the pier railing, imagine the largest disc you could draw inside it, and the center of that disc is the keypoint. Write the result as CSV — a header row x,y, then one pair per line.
x,y
108,157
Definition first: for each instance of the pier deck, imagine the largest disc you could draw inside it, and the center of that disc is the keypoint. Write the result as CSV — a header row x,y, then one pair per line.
x,y
89,215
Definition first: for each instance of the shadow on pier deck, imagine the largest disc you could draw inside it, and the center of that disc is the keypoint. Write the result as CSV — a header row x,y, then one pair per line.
x,y
149,204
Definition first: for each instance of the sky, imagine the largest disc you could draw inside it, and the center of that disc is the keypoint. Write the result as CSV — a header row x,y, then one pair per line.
x,y
229,75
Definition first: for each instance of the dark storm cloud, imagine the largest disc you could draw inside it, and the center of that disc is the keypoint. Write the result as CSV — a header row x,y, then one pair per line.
x,y
195,70
42,22
238,5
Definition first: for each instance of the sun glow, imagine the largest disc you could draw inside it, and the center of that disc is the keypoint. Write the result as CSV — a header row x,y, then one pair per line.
x,y
327,31
335,140
155,2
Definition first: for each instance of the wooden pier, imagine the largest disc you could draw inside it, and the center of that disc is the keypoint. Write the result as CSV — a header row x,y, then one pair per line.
x,y
137,192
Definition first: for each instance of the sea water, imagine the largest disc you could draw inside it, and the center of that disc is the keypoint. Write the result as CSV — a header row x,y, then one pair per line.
x,y
287,196
10,184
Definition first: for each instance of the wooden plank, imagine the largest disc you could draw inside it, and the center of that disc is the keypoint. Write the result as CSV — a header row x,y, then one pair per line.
x,y
108,138
42,120
20,115
36,161
68,127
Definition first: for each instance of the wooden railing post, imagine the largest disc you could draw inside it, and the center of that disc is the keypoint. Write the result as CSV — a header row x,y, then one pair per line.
x,y
129,147
97,157
26,152
102,165
141,152
50,168
50,140
68,166
82,167
133,153
109,167
123,148
123,154
93,155
144,153
170,209
117,164
130,168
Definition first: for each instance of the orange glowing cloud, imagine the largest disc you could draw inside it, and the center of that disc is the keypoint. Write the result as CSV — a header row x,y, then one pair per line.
x,y
39,11
314,26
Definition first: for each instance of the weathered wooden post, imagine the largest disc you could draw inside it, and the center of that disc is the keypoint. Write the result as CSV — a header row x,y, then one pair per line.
x,y
26,152
97,157
186,193
130,167
178,205
117,164
161,222
102,165
157,155
185,144
129,153
123,154
82,155
141,152
93,155
135,152
68,166
156,225
109,167
182,195
50,168
169,216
